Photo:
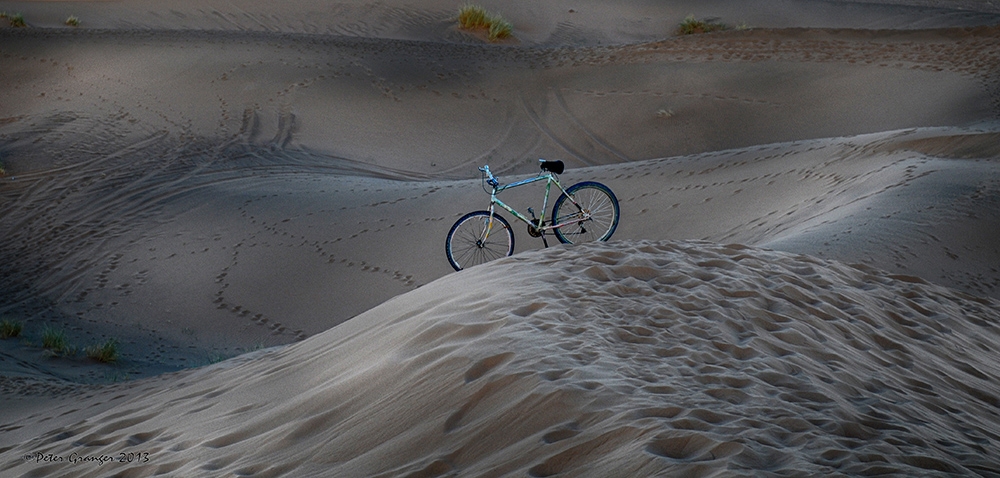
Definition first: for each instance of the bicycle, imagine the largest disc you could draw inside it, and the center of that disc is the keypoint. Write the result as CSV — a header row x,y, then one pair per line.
x,y
585,211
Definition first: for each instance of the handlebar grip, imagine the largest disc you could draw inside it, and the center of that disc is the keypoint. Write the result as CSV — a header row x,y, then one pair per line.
x,y
492,180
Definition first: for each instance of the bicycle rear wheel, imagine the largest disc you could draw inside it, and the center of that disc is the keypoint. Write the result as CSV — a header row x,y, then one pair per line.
x,y
464,245
593,217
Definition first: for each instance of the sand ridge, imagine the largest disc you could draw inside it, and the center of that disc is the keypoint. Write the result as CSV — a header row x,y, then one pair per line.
x,y
637,358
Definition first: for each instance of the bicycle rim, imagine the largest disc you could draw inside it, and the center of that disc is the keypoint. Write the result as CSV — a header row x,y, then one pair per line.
x,y
464,248
597,203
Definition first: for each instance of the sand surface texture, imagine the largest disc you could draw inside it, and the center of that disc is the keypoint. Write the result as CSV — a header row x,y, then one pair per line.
x,y
804,281
615,359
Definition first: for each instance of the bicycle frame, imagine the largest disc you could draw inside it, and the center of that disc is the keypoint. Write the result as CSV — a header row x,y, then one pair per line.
x,y
549,179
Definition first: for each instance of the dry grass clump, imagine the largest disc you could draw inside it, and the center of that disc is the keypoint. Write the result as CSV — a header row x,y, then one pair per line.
x,y
55,341
56,344
475,17
10,329
692,25
16,20
472,17
72,21
499,28
104,353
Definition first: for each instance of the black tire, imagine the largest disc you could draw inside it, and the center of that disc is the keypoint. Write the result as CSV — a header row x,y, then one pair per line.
x,y
464,248
595,200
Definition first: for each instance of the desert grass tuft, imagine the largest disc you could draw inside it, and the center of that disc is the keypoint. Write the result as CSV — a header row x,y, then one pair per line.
x,y
72,21
472,17
55,341
499,28
692,25
10,329
104,353
475,17
15,20
257,345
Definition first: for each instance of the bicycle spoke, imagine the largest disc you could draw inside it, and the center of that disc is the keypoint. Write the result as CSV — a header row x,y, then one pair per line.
x,y
465,247
594,215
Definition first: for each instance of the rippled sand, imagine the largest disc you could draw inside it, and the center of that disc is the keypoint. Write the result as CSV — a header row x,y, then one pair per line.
x,y
627,358
804,280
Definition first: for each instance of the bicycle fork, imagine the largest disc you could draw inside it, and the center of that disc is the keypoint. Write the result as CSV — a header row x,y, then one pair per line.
x,y
486,230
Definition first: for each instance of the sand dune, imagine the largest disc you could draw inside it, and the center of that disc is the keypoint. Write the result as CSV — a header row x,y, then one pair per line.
x,y
619,359
804,279
560,22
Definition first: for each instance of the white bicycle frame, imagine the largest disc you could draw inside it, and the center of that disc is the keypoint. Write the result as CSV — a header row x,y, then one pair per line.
x,y
537,223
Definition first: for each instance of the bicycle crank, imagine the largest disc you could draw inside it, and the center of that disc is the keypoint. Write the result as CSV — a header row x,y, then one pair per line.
x,y
534,228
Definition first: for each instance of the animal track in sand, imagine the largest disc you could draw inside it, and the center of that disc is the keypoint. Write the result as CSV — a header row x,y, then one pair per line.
x,y
328,251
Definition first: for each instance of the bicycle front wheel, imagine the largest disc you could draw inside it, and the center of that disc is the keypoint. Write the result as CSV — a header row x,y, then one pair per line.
x,y
466,247
591,215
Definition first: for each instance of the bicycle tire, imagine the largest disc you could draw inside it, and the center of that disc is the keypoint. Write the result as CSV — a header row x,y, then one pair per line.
x,y
463,247
595,199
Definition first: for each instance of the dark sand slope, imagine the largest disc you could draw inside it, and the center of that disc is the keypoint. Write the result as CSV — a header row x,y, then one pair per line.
x,y
437,110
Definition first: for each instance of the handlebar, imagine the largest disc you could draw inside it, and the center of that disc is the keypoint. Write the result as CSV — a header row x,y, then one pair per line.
x,y
490,178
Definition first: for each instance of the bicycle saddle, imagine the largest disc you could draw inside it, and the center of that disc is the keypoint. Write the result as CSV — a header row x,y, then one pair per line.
x,y
556,167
